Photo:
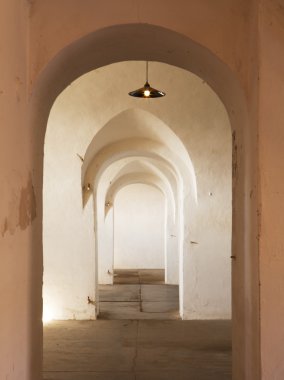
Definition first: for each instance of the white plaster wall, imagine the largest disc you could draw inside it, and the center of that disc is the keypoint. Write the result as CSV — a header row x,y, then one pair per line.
x,y
105,247
139,228
198,118
68,238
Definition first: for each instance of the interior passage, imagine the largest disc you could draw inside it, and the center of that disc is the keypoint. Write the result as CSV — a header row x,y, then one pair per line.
x,y
139,294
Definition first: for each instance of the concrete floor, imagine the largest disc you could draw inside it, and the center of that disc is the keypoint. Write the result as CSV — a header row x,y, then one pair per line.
x,y
131,344
139,276
138,301
139,294
137,350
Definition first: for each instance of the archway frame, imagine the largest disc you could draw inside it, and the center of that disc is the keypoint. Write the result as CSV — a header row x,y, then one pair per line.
x,y
153,176
131,42
150,182
185,176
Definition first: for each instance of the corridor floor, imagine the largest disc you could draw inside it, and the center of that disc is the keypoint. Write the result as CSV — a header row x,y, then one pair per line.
x,y
139,294
138,348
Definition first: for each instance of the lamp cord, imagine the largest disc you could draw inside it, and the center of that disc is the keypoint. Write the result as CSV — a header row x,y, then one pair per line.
x,y
147,71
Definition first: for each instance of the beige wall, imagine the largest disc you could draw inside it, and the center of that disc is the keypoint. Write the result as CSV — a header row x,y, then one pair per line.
x,y
17,200
271,144
54,25
229,41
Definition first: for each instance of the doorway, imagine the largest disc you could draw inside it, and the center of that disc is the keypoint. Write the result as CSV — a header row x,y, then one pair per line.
x,y
139,290
244,319
136,149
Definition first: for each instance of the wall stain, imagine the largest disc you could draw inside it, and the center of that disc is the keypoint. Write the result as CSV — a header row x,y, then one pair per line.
x,y
4,228
27,207
22,209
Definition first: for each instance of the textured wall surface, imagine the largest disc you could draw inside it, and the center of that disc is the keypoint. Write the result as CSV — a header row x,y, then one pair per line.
x,y
271,116
18,207
139,228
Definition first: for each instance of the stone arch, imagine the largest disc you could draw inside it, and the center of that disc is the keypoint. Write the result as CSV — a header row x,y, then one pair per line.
x,y
92,170
115,131
134,147
141,177
170,47
135,123
159,181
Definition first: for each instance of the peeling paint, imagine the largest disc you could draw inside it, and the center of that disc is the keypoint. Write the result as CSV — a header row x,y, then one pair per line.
x,y
27,207
4,227
22,209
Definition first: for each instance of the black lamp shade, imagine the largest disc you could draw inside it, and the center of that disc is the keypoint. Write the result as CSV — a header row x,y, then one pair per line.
x,y
147,92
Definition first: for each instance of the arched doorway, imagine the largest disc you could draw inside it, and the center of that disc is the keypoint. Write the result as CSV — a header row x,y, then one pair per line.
x,y
78,60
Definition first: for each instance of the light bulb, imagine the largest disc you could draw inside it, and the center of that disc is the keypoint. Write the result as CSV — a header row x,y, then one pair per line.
x,y
147,93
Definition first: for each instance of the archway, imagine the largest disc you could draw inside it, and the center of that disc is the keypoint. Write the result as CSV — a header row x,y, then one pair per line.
x,y
139,134
135,172
55,78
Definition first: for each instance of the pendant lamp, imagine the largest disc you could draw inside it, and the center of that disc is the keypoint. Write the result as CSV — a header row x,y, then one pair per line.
x,y
147,91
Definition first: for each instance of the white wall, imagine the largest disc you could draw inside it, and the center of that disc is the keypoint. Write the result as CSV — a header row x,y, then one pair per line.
x,y
139,228
67,282
199,121
105,237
